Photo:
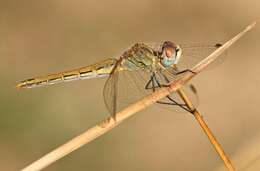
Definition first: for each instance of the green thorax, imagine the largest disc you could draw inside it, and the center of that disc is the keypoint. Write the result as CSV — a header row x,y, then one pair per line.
x,y
139,56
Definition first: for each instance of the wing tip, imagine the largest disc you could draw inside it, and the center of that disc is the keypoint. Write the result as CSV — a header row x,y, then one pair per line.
x,y
218,45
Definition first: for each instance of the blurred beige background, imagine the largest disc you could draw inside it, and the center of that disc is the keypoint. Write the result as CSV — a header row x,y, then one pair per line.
x,y
38,37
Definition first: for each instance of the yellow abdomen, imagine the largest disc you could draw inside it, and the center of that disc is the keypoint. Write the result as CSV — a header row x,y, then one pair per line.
x,y
100,69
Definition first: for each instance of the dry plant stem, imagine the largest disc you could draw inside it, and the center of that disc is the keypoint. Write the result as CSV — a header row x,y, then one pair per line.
x,y
109,123
207,131
213,141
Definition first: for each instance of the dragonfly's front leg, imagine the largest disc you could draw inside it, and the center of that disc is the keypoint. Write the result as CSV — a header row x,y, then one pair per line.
x,y
153,83
150,84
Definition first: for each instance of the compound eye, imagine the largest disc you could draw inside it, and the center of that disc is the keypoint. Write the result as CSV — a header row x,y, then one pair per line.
x,y
169,49
169,52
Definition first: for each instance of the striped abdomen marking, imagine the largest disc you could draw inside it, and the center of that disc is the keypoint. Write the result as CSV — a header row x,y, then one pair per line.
x,y
100,69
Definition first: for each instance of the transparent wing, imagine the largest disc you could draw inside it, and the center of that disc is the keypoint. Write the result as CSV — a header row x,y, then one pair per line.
x,y
193,53
110,93
123,88
126,87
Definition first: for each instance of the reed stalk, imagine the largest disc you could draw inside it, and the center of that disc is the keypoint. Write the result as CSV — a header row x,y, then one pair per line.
x,y
206,129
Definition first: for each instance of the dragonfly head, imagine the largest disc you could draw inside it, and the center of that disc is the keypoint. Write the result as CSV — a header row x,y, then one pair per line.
x,y
170,54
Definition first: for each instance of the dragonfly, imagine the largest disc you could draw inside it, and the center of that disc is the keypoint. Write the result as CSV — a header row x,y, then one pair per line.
x,y
138,71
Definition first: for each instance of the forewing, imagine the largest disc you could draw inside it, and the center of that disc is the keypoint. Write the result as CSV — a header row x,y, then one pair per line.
x,y
193,53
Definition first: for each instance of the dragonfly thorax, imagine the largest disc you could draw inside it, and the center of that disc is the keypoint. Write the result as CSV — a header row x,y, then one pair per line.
x,y
170,54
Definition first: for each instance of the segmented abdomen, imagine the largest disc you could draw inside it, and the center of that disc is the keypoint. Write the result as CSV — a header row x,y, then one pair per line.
x,y
100,69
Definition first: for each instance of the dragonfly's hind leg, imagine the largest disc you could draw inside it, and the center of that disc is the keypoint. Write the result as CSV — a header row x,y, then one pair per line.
x,y
184,71
174,103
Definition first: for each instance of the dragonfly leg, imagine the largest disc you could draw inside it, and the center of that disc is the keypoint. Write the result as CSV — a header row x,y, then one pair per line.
x,y
152,81
162,85
172,101
184,71
166,79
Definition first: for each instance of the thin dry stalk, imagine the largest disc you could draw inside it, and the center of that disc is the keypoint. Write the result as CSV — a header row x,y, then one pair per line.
x,y
214,141
109,123
207,131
